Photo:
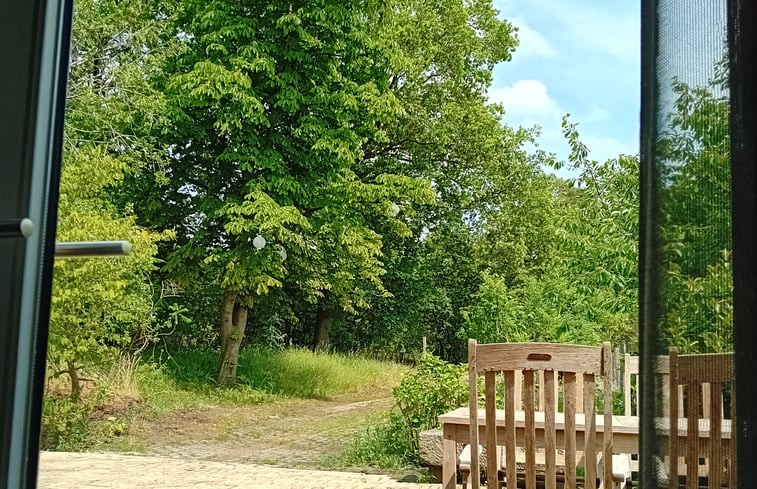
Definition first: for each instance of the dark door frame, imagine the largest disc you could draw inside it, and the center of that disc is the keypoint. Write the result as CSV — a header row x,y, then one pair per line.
x,y
34,43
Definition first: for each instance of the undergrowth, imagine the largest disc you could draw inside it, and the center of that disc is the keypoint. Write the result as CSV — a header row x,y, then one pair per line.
x,y
129,388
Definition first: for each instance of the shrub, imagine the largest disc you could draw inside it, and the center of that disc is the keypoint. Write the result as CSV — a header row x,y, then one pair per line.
x,y
433,388
65,424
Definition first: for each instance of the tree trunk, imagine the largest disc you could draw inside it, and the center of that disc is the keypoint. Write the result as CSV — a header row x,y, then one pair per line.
x,y
323,322
75,384
233,324
227,320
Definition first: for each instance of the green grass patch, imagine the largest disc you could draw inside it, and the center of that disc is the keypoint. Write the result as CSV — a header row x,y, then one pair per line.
x,y
127,390
376,447
295,373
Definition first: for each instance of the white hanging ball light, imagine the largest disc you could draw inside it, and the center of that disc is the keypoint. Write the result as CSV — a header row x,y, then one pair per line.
x,y
283,255
258,242
395,209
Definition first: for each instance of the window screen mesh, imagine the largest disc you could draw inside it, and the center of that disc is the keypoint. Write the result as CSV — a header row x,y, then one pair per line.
x,y
691,259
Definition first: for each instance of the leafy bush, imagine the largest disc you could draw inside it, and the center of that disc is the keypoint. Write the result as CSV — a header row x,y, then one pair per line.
x,y
433,388
65,424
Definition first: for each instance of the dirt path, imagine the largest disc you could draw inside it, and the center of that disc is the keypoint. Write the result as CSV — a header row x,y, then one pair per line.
x,y
295,433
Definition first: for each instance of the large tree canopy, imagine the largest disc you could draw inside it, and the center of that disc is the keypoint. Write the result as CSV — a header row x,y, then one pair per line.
x,y
271,107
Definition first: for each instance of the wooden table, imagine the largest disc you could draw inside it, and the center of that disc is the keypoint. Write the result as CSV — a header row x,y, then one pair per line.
x,y
625,431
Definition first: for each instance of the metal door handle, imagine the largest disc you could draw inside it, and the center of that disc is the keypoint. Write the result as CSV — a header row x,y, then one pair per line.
x,y
76,249
17,228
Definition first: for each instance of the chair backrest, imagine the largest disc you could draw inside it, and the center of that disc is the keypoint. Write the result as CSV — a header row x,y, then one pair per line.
x,y
539,385
690,373
631,382
630,376
578,365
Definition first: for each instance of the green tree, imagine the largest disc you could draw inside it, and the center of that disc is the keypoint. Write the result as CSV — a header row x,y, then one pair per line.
x,y
696,217
583,289
271,105
102,304
489,192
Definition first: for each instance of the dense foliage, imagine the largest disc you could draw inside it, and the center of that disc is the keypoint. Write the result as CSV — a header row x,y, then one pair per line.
x,y
101,306
696,227
332,175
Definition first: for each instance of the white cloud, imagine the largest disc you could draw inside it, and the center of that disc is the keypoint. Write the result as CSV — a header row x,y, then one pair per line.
x,y
581,57
532,43
612,29
525,98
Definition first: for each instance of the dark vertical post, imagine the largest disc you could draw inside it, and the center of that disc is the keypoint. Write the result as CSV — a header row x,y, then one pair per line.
x,y
649,244
34,43
742,40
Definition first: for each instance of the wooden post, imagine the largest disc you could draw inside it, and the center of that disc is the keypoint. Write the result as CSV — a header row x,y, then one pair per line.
x,y
473,415
425,346
449,457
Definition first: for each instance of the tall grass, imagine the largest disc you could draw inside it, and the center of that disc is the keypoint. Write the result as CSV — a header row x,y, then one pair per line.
x,y
296,373
127,389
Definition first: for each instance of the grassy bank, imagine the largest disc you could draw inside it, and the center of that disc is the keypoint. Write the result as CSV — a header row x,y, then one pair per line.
x,y
128,389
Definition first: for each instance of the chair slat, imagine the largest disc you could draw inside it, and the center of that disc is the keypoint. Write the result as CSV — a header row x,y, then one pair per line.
x,y
732,455
511,468
569,384
540,387
528,377
590,437
492,465
674,408
579,393
705,400
715,456
607,369
550,445
627,385
692,436
473,412
518,390
664,378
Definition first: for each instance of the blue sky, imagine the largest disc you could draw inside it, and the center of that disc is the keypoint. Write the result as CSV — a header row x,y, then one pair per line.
x,y
579,57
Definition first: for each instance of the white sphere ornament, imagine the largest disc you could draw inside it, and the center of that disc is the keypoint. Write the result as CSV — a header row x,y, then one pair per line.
x,y
258,242
283,255
395,209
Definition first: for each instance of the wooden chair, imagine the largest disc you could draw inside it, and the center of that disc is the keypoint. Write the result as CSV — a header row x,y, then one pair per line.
x,y
577,364
703,435
631,387
464,466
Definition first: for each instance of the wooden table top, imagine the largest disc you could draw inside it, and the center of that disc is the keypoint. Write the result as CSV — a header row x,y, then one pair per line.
x,y
621,425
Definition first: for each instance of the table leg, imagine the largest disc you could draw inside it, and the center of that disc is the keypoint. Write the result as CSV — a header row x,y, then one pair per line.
x,y
449,464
